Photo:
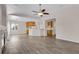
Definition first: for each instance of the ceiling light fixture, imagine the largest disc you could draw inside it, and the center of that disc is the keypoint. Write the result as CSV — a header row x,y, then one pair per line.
x,y
41,12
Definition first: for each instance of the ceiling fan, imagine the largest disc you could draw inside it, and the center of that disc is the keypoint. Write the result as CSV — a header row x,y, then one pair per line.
x,y
41,12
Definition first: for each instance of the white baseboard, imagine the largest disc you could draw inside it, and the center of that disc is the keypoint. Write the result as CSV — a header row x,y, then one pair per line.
x,y
67,39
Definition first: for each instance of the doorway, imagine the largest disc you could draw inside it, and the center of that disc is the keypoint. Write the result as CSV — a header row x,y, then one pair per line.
x,y
50,27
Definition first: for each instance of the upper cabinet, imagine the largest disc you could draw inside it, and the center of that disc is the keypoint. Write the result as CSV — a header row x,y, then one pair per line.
x,y
30,23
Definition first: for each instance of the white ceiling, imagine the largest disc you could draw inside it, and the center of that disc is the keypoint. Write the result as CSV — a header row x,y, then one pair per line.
x,y
26,9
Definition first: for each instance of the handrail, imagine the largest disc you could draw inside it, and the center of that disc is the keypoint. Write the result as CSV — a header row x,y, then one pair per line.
x,y
3,41
3,33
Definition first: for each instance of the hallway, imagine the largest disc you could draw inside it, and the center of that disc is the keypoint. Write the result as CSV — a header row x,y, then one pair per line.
x,y
21,44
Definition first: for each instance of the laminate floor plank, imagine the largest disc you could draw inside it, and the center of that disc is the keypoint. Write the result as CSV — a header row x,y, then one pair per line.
x,y
22,44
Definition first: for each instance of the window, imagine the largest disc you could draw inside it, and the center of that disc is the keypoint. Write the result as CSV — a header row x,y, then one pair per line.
x,y
14,26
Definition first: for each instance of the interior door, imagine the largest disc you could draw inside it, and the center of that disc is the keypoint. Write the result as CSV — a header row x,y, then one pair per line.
x,y
49,33
49,26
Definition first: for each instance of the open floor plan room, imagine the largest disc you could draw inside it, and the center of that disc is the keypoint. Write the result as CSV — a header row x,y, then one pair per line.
x,y
39,28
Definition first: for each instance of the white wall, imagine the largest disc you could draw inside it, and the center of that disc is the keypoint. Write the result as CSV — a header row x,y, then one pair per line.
x,y
0,16
3,15
35,31
67,23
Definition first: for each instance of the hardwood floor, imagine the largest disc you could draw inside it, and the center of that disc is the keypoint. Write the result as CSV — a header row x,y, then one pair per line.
x,y
22,44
